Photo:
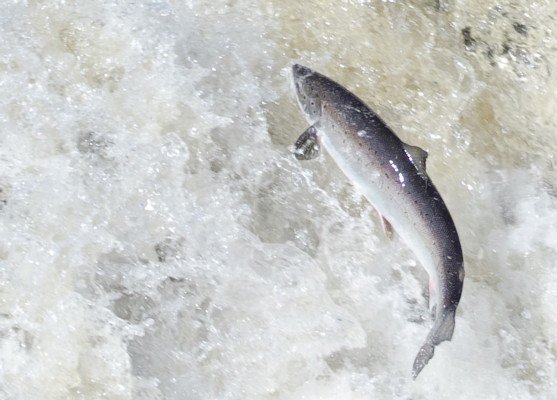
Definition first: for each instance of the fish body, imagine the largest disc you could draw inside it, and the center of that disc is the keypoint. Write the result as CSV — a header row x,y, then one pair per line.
x,y
391,175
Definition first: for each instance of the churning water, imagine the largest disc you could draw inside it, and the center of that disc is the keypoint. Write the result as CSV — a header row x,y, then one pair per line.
x,y
159,241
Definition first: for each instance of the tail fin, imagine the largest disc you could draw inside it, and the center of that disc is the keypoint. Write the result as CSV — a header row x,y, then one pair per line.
x,y
442,330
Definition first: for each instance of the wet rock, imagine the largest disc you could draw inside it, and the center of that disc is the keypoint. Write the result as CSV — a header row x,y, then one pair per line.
x,y
469,41
520,28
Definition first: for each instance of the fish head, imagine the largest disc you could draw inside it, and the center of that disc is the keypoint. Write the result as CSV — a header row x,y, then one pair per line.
x,y
308,90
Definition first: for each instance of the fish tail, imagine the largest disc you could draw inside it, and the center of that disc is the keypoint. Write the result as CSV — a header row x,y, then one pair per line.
x,y
442,330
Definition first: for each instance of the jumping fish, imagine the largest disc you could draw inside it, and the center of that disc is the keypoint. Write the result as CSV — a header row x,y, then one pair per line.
x,y
391,174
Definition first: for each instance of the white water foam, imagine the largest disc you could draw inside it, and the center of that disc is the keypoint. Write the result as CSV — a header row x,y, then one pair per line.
x,y
159,241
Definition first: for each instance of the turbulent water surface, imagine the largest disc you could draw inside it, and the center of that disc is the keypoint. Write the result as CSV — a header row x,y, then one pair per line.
x,y
159,241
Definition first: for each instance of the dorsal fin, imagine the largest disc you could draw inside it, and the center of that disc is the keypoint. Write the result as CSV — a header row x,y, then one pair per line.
x,y
417,155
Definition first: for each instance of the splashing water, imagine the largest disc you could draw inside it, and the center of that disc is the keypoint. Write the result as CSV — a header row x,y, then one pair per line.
x,y
159,241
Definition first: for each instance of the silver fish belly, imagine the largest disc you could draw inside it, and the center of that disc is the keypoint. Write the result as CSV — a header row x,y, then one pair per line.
x,y
391,174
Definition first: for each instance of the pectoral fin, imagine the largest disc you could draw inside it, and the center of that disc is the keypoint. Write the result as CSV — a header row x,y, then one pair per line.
x,y
307,145
417,155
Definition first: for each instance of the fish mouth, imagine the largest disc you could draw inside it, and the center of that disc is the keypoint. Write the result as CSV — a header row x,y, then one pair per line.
x,y
300,72
307,99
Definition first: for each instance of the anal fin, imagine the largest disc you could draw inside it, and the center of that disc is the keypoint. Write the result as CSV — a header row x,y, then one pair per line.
x,y
387,227
432,297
